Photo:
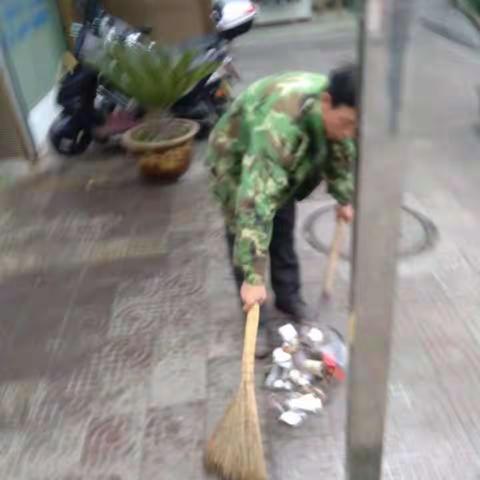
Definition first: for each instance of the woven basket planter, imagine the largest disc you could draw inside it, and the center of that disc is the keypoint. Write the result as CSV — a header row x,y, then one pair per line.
x,y
163,159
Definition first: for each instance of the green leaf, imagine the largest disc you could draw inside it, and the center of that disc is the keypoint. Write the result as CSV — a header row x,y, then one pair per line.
x,y
154,76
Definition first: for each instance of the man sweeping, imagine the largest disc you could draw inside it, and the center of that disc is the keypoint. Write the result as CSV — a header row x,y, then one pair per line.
x,y
281,138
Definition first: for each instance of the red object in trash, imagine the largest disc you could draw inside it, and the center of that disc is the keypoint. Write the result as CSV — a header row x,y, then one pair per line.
x,y
333,368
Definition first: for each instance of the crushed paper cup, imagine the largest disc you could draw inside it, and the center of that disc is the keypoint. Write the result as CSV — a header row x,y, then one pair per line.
x,y
293,419
288,333
315,367
305,403
315,335
290,348
282,385
282,358
299,378
274,374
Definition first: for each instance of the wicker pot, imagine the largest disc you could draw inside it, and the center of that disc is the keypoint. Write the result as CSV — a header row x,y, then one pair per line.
x,y
163,159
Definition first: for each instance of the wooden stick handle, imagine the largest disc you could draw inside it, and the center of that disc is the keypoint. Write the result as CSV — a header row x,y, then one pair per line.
x,y
250,343
333,258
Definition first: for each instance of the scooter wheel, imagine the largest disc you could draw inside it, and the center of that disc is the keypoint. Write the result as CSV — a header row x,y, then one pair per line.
x,y
68,137
204,131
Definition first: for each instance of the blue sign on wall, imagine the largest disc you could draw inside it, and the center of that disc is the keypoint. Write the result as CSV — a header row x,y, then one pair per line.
x,y
32,34
21,18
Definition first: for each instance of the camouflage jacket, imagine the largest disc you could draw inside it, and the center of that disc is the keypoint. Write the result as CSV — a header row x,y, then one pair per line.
x,y
268,148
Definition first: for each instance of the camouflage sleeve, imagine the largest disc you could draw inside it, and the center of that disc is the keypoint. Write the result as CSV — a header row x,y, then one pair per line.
x,y
263,188
339,171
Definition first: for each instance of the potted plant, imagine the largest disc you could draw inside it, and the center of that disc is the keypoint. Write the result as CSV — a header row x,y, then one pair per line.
x,y
156,78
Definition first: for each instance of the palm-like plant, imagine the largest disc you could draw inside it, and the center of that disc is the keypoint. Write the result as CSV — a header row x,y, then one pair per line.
x,y
154,76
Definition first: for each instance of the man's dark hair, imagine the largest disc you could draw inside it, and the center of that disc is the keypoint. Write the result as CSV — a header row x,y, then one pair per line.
x,y
343,86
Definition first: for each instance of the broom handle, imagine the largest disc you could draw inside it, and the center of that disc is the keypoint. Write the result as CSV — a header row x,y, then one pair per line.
x,y
251,329
333,257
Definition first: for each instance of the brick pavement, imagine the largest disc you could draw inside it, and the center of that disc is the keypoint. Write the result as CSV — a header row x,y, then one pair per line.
x,y
120,329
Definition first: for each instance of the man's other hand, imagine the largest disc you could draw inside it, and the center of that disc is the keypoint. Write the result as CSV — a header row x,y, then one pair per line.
x,y
345,213
252,294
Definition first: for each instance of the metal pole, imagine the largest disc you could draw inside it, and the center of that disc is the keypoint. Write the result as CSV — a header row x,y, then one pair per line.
x,y
381,167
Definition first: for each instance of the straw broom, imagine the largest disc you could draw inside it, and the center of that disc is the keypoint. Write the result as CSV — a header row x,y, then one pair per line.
x,y
333,258
235,450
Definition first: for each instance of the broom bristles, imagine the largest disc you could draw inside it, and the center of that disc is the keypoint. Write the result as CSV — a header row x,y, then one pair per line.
x,y
235,450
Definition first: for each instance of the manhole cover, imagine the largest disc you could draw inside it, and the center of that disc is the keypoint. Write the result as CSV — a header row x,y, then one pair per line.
x,y
418,233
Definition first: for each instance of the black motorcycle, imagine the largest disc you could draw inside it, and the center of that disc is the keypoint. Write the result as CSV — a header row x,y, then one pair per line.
x,y
93,110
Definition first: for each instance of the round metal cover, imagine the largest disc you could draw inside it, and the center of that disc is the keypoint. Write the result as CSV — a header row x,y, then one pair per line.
x,y
418,233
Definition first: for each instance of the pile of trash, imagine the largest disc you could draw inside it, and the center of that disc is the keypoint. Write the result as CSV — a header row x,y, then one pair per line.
x,y
307,362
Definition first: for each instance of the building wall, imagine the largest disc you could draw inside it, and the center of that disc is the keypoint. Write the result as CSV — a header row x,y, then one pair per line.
x,y
11,145
172,20
32,34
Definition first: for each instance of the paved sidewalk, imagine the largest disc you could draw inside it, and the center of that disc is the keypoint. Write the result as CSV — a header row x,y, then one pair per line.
x,y
442,18
120,331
